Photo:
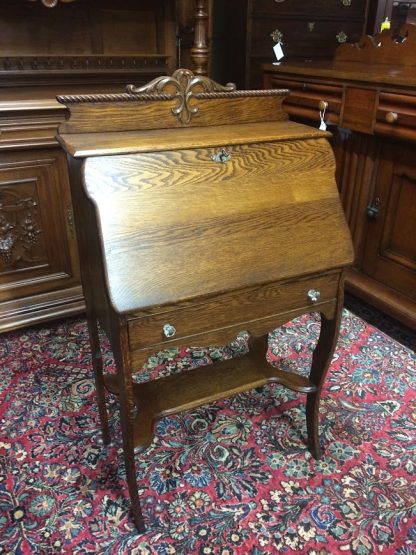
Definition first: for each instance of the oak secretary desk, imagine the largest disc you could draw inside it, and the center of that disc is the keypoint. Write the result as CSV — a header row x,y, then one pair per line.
x,y
201,211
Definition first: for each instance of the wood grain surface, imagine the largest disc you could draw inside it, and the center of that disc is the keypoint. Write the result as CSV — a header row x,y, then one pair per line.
x,y
177,225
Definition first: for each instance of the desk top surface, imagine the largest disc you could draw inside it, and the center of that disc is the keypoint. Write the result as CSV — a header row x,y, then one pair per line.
x,y
83,145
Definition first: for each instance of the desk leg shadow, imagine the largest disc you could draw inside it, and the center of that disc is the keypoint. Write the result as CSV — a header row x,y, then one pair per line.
x,y
142,405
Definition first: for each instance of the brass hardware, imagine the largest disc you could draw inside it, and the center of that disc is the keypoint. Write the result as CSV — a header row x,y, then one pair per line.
x,y
277,36
342,37
373,209
311,26
169,330
323,105
314,295
346,2
391,117
221,156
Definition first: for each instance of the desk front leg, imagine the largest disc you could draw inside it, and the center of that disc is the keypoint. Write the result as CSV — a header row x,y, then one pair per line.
x,y
321,360
127,417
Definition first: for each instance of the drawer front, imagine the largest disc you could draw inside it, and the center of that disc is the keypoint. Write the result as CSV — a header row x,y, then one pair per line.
x,y
396,115
329,9
305,98
302,38
231,309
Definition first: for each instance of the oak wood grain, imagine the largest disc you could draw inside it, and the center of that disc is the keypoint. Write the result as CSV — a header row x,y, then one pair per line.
x,y
166,206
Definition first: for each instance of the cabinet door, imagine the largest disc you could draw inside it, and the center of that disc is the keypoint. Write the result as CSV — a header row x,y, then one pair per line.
x,y
390,249
38,251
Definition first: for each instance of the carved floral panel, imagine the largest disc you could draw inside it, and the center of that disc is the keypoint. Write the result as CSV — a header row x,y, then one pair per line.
x,y
21,240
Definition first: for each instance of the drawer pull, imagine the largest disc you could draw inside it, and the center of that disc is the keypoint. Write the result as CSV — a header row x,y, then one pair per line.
x,y
221,156
314,295
391,117
169,330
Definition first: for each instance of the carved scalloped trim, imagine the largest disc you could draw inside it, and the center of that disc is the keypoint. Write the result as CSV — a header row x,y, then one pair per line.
x,y
382,46
182,86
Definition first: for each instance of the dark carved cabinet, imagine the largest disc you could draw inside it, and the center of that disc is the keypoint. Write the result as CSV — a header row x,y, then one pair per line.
x,y
39,272
72,47
245,32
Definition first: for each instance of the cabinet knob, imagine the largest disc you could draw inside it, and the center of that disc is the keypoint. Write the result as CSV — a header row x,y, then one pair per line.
x,y
314,295
391,117
169,330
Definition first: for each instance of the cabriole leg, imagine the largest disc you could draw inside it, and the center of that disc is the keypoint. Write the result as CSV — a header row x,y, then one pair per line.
x,y
321,360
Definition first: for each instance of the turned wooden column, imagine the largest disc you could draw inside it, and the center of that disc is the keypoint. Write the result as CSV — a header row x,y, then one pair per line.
x,y
200,50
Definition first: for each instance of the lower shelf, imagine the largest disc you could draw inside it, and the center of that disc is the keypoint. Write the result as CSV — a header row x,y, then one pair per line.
x,y
173,394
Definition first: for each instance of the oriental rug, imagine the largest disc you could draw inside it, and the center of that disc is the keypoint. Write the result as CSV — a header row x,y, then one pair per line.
x,y
230,478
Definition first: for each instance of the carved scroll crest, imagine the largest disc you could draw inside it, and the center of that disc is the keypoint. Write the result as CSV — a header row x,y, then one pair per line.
x,y
184,86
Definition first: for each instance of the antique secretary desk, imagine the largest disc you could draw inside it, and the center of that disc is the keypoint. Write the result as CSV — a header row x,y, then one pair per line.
x,y
201,211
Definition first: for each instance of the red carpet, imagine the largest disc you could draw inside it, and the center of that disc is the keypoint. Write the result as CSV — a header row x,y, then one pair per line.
x,y
231,478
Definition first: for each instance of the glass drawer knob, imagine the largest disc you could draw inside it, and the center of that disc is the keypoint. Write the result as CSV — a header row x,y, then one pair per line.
x,y
169,330
314,295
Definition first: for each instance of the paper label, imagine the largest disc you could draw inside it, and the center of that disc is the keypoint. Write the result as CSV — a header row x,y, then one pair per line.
x,y
278,51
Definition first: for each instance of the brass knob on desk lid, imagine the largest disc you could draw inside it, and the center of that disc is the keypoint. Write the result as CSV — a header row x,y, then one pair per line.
x,y
391,117
169,330
314,295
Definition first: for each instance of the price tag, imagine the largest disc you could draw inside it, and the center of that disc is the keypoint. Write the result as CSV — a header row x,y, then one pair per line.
x,y
278,51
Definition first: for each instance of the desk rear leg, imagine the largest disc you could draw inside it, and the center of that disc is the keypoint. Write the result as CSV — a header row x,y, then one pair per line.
x,y
97,362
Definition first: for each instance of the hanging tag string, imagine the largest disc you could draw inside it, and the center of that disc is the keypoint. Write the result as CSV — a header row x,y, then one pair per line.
x,y
322,126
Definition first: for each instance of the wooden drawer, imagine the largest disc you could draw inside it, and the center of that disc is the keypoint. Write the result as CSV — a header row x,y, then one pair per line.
x,y
396,116
322,9
305,98
299,41
231,309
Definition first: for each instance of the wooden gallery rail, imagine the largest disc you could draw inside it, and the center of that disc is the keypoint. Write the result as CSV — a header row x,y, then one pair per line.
x,y
200,212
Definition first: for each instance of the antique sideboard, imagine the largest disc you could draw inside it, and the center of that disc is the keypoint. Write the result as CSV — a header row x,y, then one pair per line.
x,y
201,211
367,97
73,46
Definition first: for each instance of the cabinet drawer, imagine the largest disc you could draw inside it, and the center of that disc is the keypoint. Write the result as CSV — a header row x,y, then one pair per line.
x,y
241,307
302,37
326,9
305,98
396,115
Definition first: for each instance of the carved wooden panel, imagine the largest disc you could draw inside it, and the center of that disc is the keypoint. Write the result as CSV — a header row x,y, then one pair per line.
x,y
390,246
37,238
21,235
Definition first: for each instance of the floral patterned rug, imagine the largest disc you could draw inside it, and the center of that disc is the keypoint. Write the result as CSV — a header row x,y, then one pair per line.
x,y
234,477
